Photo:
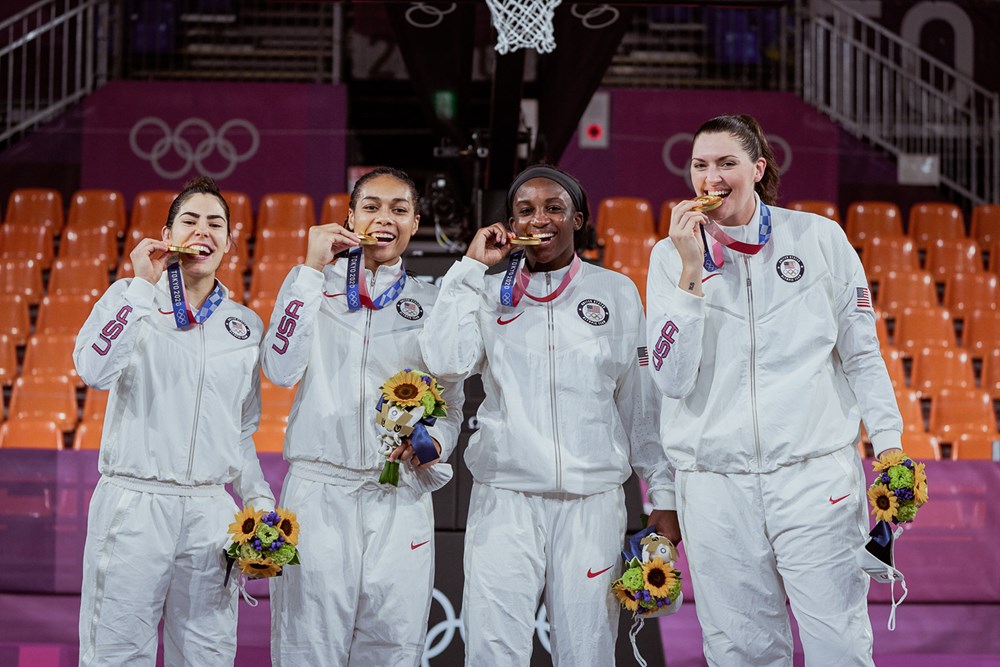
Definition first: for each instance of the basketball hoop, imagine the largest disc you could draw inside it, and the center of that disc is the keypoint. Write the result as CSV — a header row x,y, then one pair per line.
x,y
523,24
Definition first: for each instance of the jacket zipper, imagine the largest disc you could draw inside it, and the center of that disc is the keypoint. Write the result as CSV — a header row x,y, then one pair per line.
x,y
364,365
550,334
197,404
753,363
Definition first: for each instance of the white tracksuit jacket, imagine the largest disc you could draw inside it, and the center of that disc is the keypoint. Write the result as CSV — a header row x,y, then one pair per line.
x,y
548,373
767,378
181,414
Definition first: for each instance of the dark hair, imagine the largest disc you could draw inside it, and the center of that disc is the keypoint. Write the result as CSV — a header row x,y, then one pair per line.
x,y
200,185
745,129
572,186
398,174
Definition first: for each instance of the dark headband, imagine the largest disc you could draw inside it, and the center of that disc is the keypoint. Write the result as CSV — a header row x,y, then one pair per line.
x,y
570,184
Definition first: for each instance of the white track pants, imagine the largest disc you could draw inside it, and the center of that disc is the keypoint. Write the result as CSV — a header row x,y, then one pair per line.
x,y
151,555
752,539
518,543
362,595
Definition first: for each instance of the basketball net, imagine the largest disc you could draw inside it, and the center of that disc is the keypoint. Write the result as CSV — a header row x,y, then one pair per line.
x,y
523,24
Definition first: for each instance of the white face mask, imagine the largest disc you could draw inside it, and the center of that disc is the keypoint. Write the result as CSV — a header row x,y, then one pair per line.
x,y
876,559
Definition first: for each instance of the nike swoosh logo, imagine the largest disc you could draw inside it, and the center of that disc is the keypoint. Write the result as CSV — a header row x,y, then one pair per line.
x,y
414,546
502,321
711,275
834,501
330,296
165,312
591,574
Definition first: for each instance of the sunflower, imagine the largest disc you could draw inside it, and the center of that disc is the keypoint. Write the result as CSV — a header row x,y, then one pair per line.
x,y
405,389
884,503
887,460
260,568
919,484
659,577
624,596
288,526
245,527
436,393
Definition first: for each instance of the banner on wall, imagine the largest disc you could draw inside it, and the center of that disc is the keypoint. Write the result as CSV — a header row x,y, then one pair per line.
x,y
652,131
252,138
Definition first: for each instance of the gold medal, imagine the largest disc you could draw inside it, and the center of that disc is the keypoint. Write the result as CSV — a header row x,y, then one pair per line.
x,y
525,240
186,251
707,203
365,239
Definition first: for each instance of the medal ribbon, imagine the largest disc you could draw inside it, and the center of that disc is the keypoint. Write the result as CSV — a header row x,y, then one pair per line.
x,y
713,251
183,316
515,282
357,289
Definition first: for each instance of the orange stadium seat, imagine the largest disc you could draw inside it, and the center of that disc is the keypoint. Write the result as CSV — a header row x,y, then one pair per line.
x,y
948,256
31,434
19,241
826,209
985,227
285,210
956,411
90,242
893,359
935,368
909,407
638,274
906,289
22,276
335,208
923,327
239,249
882,254
270,437
881,328
282,243
240,212
624,215
976,446
663,222
45,398
267,276
994,263
965,292
263,306
920,446
930,221
870,219
95,405
276,402
981,332
78,276
93,209
36,207
230,273
149,212
8,360
64,313
628,250
15,320
88,435
50,355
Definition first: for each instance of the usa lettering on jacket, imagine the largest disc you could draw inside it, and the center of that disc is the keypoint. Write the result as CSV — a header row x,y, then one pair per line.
x,y
286,327
112,330
663,343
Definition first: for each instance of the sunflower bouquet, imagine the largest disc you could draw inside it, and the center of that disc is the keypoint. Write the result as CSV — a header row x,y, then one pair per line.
x,y
650,586
263,542
411,401
899,489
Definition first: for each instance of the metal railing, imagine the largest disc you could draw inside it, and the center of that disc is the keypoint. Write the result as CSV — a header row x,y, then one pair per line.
x,y
892,94
51,55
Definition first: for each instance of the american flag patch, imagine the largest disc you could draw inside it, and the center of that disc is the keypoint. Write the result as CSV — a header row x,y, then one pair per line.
x,y
864,297
643,354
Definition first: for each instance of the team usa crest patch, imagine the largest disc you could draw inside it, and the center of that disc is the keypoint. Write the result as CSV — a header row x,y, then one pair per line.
x,y
238,328
409,309
593,312
790,268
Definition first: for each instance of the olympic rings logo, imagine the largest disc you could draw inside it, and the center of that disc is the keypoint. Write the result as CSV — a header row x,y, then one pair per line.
x,y
435,13
440,636
193,155
781,147
589,18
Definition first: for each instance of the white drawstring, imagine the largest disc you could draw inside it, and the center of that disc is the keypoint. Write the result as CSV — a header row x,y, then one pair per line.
x,y
637,624
241,582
